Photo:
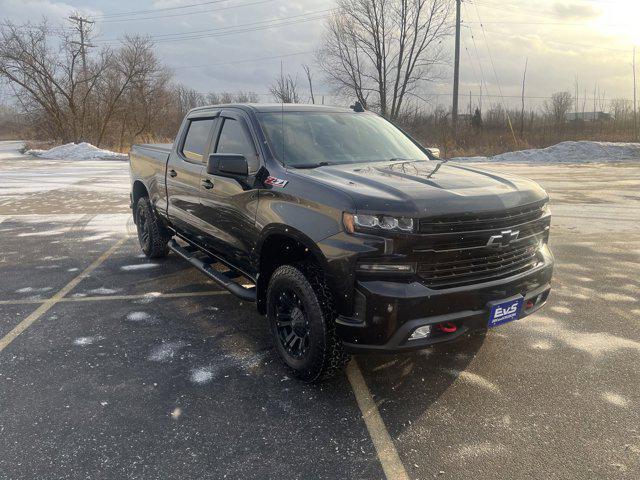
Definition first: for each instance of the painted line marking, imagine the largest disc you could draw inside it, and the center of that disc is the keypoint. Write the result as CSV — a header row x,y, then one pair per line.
x,y
386,450
138,296
50,302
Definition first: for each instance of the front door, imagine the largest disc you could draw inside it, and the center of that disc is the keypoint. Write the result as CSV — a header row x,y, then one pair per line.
x,y
229,206
184,176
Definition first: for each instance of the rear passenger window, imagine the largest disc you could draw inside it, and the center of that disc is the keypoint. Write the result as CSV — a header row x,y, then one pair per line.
x,y
195,143
234,139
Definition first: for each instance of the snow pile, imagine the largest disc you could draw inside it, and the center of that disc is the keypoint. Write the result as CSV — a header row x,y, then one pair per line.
x,y
78,151
568,152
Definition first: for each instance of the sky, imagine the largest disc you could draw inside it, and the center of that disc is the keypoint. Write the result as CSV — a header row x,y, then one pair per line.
x,y
228,45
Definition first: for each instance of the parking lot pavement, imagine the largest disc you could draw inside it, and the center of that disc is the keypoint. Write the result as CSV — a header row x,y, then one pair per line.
x,y
144,369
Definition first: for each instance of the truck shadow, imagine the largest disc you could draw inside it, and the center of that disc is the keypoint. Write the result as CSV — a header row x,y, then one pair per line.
x,y
405,385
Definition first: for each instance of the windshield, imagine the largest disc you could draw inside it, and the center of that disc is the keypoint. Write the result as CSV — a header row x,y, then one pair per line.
x,y
328,138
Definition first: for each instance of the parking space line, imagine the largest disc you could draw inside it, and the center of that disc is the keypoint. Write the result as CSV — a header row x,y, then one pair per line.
x,y
50,302
386,450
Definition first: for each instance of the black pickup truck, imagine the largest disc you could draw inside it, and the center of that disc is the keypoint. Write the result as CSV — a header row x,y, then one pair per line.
x,y
347,233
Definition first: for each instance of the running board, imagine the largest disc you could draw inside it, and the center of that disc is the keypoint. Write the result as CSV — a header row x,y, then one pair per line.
x,y
222,278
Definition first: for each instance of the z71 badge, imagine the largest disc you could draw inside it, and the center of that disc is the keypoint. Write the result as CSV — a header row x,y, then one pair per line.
x,y
276,182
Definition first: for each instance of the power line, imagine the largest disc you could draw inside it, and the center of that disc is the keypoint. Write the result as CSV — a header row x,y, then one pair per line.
x,y
248,60
171,15
155,10
495,73
232,27
242,28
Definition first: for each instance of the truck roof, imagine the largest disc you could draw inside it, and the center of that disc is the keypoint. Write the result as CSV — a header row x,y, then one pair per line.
x,y
277,107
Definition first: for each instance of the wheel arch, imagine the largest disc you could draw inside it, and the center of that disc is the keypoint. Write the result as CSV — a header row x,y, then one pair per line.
x,y
281,245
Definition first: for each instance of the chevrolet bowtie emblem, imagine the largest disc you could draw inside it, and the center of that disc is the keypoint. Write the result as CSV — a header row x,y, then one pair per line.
x,y
504,239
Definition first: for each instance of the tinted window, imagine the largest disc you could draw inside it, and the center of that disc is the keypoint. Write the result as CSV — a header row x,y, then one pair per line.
x,y
234,139
195,143
310,138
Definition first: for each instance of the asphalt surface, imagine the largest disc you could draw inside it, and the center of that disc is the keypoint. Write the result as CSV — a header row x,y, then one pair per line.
x,y
144,369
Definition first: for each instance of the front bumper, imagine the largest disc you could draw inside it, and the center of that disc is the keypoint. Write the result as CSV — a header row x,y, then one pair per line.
x,y
387,313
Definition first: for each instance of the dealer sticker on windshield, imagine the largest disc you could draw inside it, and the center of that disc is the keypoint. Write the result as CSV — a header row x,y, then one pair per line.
x,y
505,311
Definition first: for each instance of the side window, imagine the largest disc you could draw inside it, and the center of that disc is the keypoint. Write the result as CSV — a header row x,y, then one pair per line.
x,y
195,143
234,139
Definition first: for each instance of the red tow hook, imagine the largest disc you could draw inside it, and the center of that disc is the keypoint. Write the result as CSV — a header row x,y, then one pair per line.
x,y
447,327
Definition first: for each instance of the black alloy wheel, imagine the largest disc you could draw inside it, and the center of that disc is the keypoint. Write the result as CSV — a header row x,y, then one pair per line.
x,y
292,324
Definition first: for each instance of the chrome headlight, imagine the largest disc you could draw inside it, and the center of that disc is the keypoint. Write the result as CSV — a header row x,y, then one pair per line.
x,y
361,222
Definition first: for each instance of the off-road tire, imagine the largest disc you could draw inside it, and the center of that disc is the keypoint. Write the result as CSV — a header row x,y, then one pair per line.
x,y
152,235
325,355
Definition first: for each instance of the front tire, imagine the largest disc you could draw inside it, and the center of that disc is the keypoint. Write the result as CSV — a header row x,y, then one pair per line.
x,y
152,235
302,319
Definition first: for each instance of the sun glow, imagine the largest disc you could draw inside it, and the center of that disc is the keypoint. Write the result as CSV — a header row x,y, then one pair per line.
x,y
619,19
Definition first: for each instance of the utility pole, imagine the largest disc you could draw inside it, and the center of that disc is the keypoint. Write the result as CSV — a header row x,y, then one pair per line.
x,y
456,71
83,30
635,108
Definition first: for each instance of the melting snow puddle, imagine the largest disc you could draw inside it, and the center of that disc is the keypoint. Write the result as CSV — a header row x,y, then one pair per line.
x,y
33,290
615,399
542,345
141,266
474,379
560,309
103,291
83,341
166,351
203,375
141,317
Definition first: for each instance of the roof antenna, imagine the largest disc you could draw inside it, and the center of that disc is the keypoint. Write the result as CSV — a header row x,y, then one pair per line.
x,y
357,107
284,163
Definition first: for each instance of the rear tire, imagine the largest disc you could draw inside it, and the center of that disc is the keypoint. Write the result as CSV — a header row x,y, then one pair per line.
x,y
302,319
152,235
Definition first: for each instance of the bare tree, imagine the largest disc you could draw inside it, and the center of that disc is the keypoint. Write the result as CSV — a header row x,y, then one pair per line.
x,y
76,99
558,107
285,89
381,51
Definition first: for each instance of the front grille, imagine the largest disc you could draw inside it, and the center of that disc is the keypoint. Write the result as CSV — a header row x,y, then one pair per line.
x,y
478,268
454,251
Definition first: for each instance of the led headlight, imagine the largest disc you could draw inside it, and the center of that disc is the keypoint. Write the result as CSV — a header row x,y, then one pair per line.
x,y
362,222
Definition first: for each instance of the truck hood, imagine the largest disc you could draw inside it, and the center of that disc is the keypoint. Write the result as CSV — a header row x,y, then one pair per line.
x,y
413,188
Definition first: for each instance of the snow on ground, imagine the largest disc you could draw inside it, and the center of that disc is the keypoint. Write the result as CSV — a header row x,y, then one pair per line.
x,y
44,174
568,152
78,151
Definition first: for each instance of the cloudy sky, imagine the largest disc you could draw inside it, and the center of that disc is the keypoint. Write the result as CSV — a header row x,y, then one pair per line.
x,y
226,45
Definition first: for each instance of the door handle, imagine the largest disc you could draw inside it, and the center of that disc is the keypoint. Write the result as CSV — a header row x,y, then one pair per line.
x,y
173,173
206,183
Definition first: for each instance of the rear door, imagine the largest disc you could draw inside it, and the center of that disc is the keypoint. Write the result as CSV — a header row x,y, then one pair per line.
x,y
229,206
184,174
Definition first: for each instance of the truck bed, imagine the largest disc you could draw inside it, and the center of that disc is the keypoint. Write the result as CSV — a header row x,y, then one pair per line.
x,y
148,162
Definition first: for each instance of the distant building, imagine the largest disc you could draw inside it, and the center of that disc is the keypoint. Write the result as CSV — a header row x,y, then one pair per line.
x,y
588,116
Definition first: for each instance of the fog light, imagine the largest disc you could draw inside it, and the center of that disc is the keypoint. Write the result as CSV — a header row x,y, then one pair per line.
x,y
421,332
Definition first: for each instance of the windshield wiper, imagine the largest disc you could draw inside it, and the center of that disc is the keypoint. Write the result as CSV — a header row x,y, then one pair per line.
x,y
313,165
440,163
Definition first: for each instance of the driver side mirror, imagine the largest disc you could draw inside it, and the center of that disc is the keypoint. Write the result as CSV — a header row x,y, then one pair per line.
x,y
232,165
435,152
